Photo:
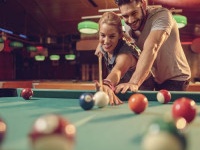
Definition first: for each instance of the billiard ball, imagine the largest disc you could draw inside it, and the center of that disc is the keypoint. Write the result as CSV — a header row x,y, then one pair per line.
x,y
52,132
3,129
86,101
163,135
27,93
184,108
101,99
163,96
137,103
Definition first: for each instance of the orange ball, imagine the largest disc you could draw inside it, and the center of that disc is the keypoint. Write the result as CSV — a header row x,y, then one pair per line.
x,y
138,103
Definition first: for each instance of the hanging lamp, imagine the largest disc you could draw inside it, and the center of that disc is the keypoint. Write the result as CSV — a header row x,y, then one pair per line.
x,y
88,27
54,57
180,20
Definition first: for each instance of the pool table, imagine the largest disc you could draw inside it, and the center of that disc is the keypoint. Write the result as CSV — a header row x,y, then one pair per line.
x,y
108,128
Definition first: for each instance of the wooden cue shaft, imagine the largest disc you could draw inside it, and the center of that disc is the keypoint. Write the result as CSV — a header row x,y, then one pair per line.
x,y
100,72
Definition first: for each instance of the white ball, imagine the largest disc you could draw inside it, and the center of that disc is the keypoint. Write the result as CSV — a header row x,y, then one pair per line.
x,y
161,141
101,99
163,96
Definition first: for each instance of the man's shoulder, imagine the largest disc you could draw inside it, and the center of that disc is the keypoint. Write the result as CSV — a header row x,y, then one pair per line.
x,y
157,11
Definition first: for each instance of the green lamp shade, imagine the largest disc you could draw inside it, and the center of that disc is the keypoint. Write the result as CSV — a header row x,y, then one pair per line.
x,y
70,57
39,58
88,27
16,44
123,23
54,57
1,40
31,48
180,20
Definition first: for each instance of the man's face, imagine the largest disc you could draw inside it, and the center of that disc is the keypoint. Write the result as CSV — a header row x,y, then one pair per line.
x,y
132,14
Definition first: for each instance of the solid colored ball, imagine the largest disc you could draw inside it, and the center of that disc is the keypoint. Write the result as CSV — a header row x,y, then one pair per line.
x,y
52,132
137,103
27,93
184,108
3,129
163,135
86,101
101,99
163,96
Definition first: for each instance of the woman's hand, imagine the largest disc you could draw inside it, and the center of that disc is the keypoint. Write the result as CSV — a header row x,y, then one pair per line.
x,y
113,99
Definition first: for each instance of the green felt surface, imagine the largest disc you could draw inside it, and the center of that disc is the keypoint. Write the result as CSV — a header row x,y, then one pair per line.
x,y
109,128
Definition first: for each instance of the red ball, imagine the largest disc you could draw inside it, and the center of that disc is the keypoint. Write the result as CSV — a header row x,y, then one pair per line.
x,y
164,96
184,108
27,93
52,132
138,103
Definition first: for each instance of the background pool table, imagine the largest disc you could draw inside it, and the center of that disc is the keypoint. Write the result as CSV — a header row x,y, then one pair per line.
x,y
109,128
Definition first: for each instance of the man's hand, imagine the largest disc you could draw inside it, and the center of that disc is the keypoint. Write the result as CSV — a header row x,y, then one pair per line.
x,y
124,87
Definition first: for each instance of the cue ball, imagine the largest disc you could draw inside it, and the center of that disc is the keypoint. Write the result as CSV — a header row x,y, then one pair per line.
x,y
27,93
86,101
52,132
137,103
163,96
184,108
101,99
3,129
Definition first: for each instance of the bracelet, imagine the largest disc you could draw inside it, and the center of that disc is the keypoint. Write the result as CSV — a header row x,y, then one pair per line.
x,y
109,84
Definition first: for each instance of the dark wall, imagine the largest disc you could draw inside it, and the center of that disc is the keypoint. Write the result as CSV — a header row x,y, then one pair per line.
x,y
18,65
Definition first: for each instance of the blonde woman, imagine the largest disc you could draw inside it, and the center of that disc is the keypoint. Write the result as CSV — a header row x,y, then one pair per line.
x,y
120,57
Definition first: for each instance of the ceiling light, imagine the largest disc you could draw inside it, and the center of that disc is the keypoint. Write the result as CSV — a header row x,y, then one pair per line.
x,y
181,20
39,58
54,57
31,48
88,27
70,57
16,44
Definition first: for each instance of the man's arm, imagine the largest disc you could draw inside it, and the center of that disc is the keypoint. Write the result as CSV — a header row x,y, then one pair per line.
x,y
151,47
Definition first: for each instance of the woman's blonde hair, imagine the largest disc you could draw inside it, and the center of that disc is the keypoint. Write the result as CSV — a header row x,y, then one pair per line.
x,y
113,19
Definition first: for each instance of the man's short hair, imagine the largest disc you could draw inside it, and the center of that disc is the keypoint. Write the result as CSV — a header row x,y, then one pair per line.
x,y
122,2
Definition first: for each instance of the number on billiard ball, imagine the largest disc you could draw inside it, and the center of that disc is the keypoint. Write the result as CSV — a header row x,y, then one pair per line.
x,y
86,101
52,132
137,103
184,108
163,96
27,93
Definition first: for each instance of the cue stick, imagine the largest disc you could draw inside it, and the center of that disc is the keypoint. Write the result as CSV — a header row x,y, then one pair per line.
x,y
100,72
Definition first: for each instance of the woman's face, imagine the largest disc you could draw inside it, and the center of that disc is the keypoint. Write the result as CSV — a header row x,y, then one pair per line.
x,y
108,37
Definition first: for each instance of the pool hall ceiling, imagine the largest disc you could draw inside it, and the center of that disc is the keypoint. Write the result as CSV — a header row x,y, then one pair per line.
x,y
42,18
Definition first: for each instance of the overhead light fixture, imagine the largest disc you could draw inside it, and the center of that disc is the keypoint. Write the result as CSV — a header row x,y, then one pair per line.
x,y
88,27
31,48
39,58
54,57
16,44
180,20
70,57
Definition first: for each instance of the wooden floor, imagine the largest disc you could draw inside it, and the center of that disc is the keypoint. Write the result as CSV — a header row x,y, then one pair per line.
x,y
69,85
